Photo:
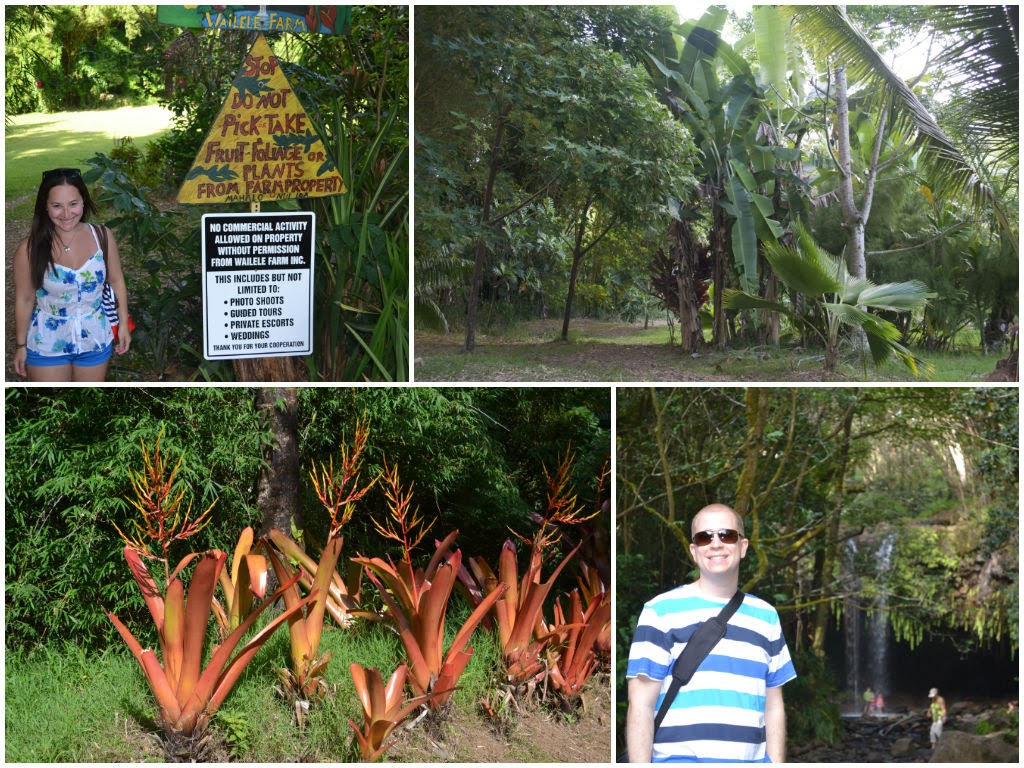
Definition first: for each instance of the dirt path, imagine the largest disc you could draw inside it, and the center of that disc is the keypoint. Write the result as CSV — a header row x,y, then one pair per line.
x,y
534,735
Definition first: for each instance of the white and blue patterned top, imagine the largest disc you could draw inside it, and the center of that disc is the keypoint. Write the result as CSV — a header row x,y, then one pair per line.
x,y
719,715
68,317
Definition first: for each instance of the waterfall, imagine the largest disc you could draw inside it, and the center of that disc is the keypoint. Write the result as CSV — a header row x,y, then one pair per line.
x,y
878,623
851,621
866,627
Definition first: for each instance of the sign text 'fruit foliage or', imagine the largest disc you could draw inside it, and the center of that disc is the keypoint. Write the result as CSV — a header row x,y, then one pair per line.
x,y
262,145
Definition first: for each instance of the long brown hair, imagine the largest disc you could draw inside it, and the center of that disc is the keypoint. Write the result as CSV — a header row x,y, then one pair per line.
x,y
40,236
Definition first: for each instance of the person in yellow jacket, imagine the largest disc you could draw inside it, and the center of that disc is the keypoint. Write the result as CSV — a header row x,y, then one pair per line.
x,y
938,713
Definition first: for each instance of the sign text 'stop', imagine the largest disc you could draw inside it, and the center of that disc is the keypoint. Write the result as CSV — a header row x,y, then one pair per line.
x,y
262,145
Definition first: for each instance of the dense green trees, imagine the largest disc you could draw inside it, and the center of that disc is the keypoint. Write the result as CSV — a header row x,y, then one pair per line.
x,y
797,115
540,138
64,57
821,477
811,469
475,459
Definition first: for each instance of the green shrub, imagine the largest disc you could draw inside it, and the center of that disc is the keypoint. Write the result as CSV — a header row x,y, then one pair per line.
x,y
812,709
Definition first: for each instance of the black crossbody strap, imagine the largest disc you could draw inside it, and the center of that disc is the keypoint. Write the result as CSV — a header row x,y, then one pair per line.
x,y
700,644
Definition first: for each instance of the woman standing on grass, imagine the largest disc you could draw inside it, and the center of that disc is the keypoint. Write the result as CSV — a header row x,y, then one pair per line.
x,y
61,330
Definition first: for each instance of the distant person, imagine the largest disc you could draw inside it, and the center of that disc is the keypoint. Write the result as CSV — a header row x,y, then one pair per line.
x,y
879,704
60,271
938,713
869,700
732,709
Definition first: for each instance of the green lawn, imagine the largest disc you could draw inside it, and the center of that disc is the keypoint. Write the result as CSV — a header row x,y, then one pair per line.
x,y
37,142
606,351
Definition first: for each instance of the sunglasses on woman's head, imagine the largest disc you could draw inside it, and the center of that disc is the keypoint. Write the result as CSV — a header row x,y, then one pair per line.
x,y
725,535
69,173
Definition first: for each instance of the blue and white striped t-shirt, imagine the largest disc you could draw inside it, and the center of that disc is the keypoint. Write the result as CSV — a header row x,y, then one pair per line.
x,y
719,715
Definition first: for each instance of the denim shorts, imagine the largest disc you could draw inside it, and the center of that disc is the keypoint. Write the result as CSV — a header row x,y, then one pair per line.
x,y
81,359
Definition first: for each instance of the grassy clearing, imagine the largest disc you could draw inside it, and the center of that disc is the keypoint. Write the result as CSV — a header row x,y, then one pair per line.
x,y
609,352
38,141
63,705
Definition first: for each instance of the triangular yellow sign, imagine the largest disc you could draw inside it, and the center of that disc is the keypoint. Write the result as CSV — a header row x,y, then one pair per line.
x,y
262,145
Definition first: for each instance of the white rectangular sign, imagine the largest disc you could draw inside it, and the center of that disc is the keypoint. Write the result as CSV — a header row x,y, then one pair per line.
x,y
258,284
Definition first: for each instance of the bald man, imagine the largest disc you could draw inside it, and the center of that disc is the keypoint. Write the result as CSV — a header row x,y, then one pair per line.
x,y
731,710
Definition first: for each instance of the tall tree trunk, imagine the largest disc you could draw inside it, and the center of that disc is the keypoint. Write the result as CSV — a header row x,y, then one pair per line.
x,y
756,408
853,220
685,254
828,560
277,490
720,256
577,257
275,369
485,221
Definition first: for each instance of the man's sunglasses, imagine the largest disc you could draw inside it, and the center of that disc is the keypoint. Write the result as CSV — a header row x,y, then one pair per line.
x,y
69,173
725,535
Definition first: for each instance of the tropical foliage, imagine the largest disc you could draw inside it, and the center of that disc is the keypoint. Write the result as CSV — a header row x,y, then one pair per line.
x,y
824,478
798,118
166,509
814,274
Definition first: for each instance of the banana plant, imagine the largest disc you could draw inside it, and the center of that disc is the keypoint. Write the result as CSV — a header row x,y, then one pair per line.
x,y
844,300
187,694
383,707
578,632
246,578
715,93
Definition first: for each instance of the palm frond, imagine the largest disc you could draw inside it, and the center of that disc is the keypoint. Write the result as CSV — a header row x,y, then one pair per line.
x,y
810,274
828,30
898,297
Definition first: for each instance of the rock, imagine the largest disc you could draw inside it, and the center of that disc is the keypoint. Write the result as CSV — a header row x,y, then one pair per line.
x,y
1006,369
902,747
960,747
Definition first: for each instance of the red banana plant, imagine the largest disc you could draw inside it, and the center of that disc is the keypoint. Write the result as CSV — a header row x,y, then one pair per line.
x,y
383,708
187,695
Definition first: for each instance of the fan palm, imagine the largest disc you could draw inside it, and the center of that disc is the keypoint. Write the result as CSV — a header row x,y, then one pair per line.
x,y
844,300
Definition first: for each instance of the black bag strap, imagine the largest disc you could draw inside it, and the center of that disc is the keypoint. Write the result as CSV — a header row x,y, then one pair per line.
x,y
703,640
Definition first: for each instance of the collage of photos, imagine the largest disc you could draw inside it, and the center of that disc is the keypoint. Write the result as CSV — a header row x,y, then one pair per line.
x,y
563,384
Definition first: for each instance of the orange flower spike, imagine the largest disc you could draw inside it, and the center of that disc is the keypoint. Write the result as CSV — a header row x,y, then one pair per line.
x,y
330,488
405,526
158,498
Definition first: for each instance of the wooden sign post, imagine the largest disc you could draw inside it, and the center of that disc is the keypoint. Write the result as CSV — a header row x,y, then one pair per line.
x,y
261,147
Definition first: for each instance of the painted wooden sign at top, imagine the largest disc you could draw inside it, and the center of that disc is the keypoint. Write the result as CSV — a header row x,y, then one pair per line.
x,y
262,145
324,19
